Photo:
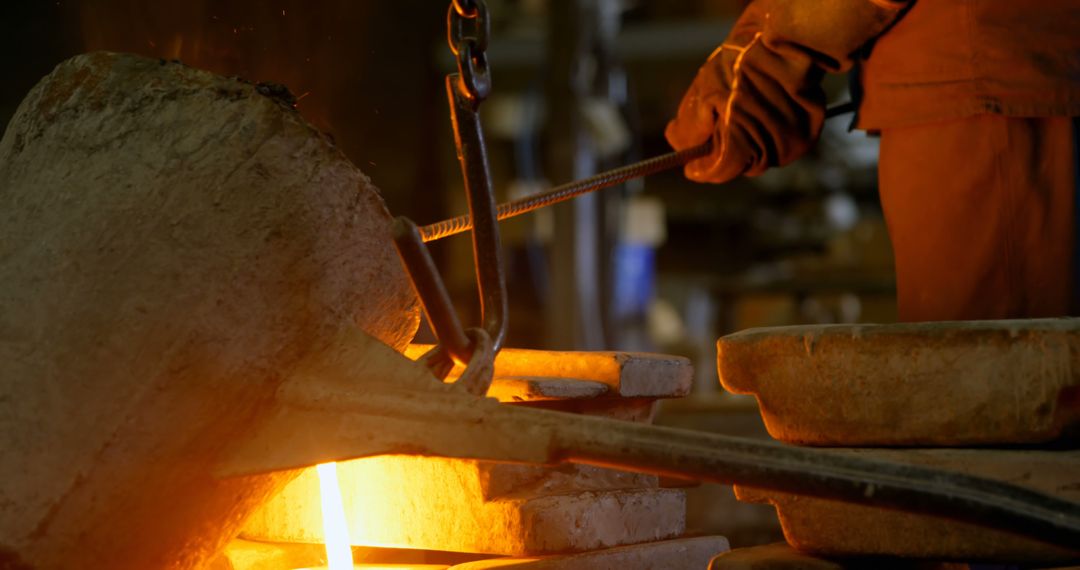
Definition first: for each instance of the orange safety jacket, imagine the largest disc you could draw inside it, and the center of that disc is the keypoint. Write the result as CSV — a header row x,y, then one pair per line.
x,y
978,180
949,59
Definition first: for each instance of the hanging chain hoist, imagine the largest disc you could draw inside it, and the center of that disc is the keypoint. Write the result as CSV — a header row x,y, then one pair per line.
x,y
468,30
468,27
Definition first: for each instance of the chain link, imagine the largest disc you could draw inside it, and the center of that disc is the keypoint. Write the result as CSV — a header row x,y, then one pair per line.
x,y
468,27
466,8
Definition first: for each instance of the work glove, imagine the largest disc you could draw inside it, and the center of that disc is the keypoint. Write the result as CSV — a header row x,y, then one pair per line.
x,y
759,95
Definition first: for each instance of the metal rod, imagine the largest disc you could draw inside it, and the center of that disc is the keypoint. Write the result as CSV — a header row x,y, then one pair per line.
x,y
823,473
430,289
570,190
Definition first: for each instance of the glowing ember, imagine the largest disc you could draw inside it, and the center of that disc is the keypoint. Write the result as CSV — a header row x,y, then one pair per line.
x,y
335,529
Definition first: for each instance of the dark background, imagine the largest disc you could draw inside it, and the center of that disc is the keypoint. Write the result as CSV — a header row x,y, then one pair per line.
x,y
754,252
802,244
760,251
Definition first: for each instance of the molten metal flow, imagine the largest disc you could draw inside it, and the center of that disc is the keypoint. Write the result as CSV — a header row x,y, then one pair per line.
x,y
335,529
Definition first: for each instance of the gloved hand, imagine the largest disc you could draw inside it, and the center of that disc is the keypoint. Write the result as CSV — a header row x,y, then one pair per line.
x,y
759,95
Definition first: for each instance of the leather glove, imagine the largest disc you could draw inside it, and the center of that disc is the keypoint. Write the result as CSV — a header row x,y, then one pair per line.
x,y
759,95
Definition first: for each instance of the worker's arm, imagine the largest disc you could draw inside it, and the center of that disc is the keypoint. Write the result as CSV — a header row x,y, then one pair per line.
x,y
759,96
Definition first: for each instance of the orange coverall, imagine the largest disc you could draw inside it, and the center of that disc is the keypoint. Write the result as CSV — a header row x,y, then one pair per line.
x,y
975,102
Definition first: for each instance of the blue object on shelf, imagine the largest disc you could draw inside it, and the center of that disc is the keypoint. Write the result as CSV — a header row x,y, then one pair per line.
x,y
635,279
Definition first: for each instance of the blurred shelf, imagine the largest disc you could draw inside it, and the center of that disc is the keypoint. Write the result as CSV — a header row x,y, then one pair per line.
x,y
658,42
855,280
719,402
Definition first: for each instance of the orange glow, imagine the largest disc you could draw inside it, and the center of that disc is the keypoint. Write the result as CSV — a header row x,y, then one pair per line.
x,y
335,529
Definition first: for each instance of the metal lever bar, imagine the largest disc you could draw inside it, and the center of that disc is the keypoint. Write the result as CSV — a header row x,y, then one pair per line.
x,y
826,474
570,190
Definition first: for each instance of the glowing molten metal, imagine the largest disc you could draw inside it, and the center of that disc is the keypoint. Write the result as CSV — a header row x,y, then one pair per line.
x,y
335,529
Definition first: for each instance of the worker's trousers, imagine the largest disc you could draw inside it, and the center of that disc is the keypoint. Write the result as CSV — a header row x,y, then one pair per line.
x,y
982,214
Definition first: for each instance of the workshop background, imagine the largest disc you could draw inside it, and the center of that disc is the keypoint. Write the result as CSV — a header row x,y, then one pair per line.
x,y
660,264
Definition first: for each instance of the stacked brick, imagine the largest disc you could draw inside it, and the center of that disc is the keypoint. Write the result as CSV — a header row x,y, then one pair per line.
x,y
564,516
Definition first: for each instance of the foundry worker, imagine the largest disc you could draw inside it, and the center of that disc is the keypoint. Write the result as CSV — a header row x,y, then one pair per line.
x,y
975,103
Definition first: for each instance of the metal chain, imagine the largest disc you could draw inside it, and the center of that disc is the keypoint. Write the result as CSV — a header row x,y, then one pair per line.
x,y
468,27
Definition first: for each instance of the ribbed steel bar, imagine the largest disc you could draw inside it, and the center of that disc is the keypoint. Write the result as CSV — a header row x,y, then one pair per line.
x,y
563,192
570,190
